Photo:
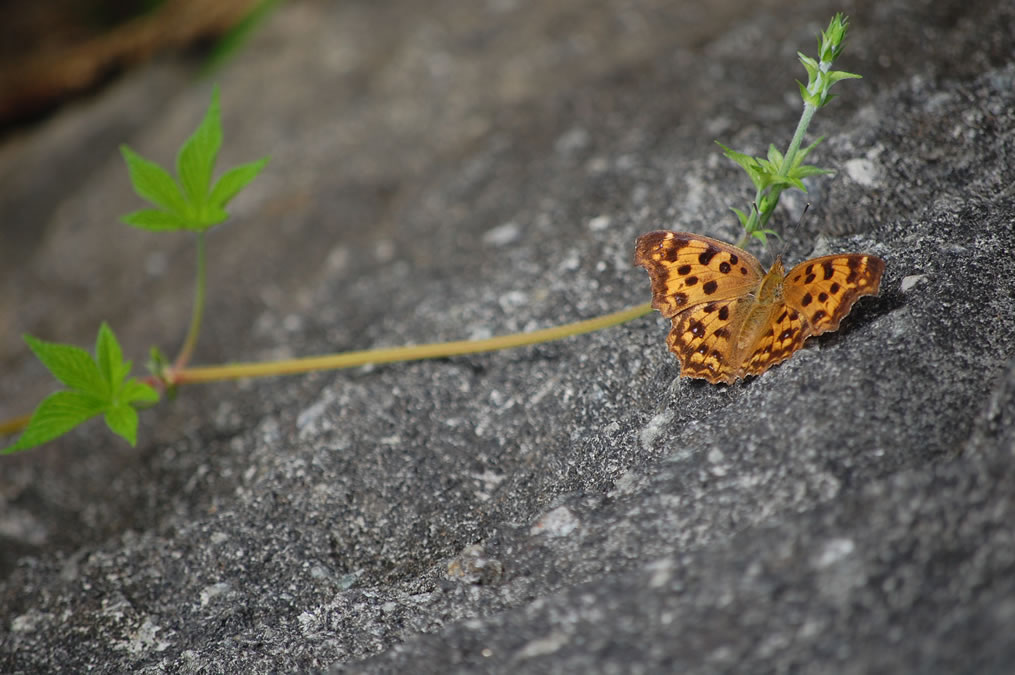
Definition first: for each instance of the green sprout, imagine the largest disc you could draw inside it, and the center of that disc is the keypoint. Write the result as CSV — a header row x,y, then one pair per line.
x,y
95,386
777,172
191,204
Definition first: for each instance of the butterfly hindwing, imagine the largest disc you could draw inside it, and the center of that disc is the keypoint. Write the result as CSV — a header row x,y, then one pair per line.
x,y
702,338
782,336
824,289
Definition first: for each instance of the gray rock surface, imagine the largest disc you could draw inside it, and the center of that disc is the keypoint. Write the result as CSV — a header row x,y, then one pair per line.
x,y
460,169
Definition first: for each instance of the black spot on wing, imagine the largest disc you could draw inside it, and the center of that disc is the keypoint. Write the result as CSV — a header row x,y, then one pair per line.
x,y
707,255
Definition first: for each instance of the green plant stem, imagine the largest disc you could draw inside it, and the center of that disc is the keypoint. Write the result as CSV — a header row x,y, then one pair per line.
x,y
798,138
410,353
769,197
187,350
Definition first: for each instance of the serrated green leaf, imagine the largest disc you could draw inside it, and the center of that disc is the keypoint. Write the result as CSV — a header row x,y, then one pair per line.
x,y
135,390
109,358
153,183
73,366
122,421
155,221
234,180
196,159
57,414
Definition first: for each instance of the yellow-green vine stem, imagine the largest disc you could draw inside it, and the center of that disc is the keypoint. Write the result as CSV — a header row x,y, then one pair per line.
x,y
389,355
411,353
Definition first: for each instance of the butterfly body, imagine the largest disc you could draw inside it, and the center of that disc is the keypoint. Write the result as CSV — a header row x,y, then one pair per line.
x,y
730,318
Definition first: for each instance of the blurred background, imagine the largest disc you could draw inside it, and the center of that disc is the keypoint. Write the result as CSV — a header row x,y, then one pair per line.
x,y
54,50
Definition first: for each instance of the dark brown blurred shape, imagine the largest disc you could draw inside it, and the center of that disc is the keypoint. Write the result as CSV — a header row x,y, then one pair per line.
x,y
55,49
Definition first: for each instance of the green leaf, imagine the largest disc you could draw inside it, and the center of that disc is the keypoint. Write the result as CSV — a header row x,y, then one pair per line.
x,y
812,67
135,390
747,163
826,99
153,183
71,365
837,75
234,180
741,216
122,421
790,181
774,156
805,151
808,170
766,167
806,95
98,385
155,221
196,158
56,415
109,358
760,235
198,206
208,216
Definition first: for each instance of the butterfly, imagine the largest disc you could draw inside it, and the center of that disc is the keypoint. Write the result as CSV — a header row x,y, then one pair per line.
x,y
730,318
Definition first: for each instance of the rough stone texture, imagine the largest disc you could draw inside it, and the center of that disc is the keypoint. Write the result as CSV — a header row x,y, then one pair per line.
x,y
462,169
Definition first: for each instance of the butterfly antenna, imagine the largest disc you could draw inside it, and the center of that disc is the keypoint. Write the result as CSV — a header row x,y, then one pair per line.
x,y
798,225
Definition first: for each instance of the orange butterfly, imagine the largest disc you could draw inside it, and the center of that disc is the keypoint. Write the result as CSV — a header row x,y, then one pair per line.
x,y
730,318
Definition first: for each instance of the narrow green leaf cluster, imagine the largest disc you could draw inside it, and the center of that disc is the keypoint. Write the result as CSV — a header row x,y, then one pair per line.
x,y
820,77
191,204
96,385
777,171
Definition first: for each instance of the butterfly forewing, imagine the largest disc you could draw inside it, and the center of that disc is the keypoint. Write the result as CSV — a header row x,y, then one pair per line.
x,y
687,269
824,289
